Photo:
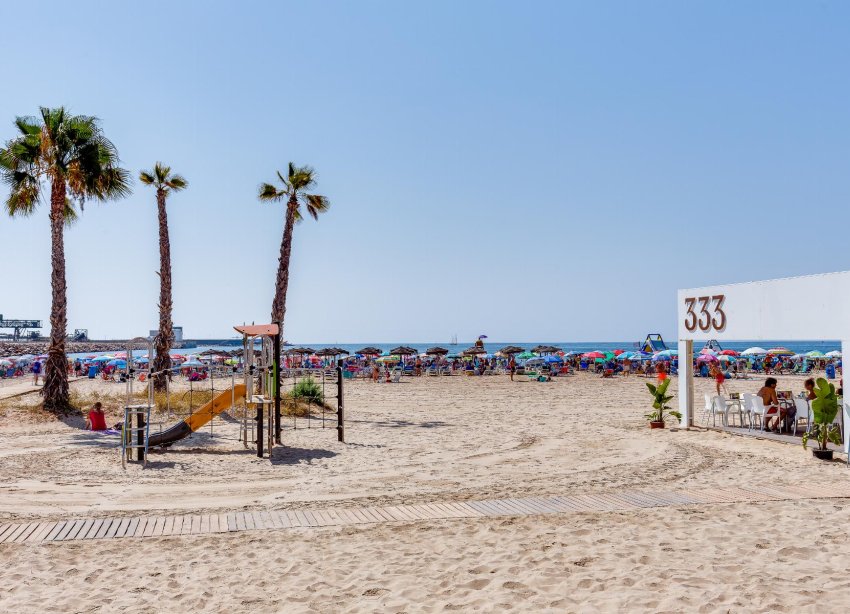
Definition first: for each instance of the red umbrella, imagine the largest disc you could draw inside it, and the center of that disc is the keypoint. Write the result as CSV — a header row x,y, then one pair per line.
x,y
618,352
729,353
593,355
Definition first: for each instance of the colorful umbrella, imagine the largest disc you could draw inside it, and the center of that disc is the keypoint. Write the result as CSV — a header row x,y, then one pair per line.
x,y
780,351
754,351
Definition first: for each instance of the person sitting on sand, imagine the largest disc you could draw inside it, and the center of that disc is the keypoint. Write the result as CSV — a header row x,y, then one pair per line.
x,y
771,404
96,420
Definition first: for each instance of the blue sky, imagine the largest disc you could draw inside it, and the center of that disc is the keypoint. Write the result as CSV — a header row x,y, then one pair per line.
x,y
533,171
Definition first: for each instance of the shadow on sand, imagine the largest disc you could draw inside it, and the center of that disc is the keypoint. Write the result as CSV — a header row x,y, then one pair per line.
x,y
288,455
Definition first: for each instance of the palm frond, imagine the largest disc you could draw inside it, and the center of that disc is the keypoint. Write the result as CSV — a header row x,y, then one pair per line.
x,y
177,183
267,192
70,214
146,177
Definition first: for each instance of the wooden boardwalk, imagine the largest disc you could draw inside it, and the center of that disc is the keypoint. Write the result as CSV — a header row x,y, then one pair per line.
x,y
75,529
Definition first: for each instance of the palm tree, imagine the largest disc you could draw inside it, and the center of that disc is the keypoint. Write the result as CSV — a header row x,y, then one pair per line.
x,y
293,191
165,183
70,153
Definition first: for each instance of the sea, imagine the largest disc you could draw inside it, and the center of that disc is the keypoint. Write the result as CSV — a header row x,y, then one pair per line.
x,y
493,346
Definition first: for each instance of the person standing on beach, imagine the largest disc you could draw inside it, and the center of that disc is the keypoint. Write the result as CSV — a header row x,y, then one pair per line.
x,y
717,373
512,366
36,372
661,372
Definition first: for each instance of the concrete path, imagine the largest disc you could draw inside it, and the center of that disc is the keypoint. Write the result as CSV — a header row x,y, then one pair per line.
x,y
74,529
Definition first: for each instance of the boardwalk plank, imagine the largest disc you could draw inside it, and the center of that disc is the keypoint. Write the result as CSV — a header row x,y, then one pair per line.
x,y
34,534
131,529
141,526
81,534
22,532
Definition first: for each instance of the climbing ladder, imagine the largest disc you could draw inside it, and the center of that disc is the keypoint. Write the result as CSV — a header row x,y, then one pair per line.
x,y
135,437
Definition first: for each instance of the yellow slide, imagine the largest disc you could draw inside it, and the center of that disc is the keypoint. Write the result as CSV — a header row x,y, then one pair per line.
x,y
198,418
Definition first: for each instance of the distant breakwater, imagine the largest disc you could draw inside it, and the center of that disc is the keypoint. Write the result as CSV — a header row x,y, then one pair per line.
x,y
16,348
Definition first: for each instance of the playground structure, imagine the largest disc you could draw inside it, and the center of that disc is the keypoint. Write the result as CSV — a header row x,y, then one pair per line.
x,y
258,397
653,343
19,327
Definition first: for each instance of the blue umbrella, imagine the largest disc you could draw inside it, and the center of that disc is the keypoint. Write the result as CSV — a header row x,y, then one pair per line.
x,y
121,364
553,358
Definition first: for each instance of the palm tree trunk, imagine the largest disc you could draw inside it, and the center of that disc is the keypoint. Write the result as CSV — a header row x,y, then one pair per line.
x,y
166,331
56,398
279,304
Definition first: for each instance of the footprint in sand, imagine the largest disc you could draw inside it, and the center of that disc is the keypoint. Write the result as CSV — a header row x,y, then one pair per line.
x,y
374,592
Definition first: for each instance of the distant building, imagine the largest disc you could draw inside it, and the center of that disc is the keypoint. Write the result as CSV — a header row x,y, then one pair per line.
x,y
178,333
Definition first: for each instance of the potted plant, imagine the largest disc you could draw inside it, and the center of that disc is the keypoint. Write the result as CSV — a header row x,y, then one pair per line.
x,y
824,410
660,398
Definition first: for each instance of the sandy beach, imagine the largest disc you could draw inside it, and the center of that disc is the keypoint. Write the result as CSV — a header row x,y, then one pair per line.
x,y
430,440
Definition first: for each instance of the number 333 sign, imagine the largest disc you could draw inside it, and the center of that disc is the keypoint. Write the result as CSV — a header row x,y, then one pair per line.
x,y
705,313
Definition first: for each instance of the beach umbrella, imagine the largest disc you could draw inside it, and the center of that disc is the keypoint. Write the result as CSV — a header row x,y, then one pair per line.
x,y
193,363
594,355
623,355
436,351
511,349
117,362
369,351
553,359
706,358
815,354
725,358
754,351
5,362
473,351
780,351
302,351
545,349
729,353
404,350
525,355
102,359
833,354
708,351
327,352
618,352
387,359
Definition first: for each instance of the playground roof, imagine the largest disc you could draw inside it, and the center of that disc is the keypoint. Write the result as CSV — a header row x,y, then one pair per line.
x,y
256,330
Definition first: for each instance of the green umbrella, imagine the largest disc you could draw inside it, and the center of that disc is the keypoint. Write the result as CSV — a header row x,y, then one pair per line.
x,y
525,355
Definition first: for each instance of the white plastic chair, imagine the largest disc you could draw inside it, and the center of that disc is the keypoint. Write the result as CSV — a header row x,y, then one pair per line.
x,y
746,406
708,409
804,412
758,409
727,405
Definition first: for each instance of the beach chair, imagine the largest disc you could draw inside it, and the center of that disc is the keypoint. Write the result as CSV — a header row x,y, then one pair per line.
x,y
758,409
396,376
803,413
707,409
